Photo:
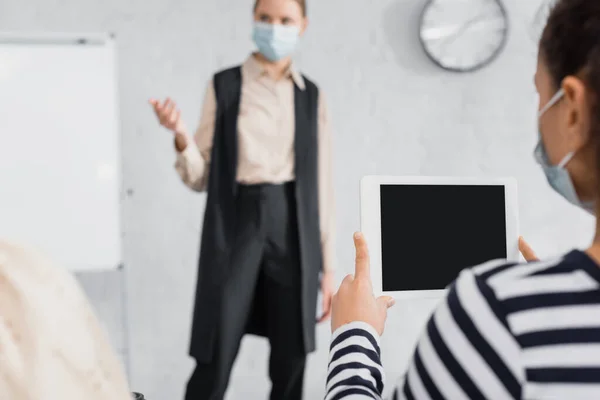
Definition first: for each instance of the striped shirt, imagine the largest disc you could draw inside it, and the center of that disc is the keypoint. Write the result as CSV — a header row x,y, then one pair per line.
x,y
503,331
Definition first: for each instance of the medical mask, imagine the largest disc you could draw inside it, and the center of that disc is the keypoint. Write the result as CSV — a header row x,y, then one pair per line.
x,y
275,42
557,175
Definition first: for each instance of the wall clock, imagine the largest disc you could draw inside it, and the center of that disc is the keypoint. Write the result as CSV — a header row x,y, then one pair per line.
x,y
463,35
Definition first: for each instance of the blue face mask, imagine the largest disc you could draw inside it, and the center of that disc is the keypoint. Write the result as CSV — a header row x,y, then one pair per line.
x,y
275,42
557,175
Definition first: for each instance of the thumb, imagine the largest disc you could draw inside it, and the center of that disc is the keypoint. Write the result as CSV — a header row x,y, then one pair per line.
x,y
385,302
527,252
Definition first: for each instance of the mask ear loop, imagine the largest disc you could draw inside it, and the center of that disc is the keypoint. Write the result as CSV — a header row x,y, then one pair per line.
x,y
566,160
552,101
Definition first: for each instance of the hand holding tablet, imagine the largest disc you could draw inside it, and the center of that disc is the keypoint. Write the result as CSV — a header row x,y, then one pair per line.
x,y
422,231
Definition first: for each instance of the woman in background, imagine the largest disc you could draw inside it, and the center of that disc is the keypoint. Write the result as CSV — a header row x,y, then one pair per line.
x,y
506,331
51,344
263,153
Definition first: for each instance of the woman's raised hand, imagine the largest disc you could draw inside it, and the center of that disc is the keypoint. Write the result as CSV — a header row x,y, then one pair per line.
x,y
169,116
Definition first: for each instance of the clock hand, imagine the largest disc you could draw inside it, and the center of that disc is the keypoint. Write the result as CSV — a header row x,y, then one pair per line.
x,y
464,27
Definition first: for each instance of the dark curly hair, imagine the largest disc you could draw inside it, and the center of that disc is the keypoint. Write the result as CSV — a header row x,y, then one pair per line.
x,y
302,4
570,42
570,46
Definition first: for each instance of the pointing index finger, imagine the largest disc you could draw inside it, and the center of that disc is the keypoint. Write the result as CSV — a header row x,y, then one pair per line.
x,y
362,267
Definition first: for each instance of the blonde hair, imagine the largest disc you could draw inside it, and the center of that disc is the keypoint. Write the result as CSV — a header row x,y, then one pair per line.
x,y
52,344
301,3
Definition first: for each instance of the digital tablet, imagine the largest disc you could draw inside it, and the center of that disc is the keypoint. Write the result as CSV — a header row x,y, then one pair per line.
x,y
422,231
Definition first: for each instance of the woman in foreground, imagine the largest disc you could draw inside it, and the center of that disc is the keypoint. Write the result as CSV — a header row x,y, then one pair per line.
x,y
505,331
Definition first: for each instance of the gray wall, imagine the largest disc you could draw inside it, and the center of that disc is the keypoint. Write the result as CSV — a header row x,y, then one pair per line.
x,y
394,113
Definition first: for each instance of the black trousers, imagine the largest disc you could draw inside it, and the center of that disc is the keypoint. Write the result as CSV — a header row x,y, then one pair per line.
x,y
265,273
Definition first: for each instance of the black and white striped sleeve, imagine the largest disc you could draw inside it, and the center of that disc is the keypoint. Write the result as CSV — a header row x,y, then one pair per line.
x,y
355,369
466,352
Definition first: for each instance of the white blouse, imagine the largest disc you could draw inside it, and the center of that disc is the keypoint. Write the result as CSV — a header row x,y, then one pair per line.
x,y
51,344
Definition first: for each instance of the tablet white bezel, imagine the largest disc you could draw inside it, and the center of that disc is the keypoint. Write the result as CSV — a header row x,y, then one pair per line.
x,y
370,220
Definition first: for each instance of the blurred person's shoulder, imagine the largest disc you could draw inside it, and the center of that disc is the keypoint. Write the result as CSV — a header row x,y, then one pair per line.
x,y
525,295
512,279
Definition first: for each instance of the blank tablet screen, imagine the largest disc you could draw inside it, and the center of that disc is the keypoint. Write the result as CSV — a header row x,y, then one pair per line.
x,y
429,233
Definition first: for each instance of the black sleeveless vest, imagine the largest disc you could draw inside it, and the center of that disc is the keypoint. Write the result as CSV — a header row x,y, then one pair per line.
x,y
219,218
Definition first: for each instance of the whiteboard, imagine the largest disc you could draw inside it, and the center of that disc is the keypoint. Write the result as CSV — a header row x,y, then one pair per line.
x,y
59,148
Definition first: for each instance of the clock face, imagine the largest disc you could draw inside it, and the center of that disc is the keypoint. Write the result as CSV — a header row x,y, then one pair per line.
x,y
463,35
